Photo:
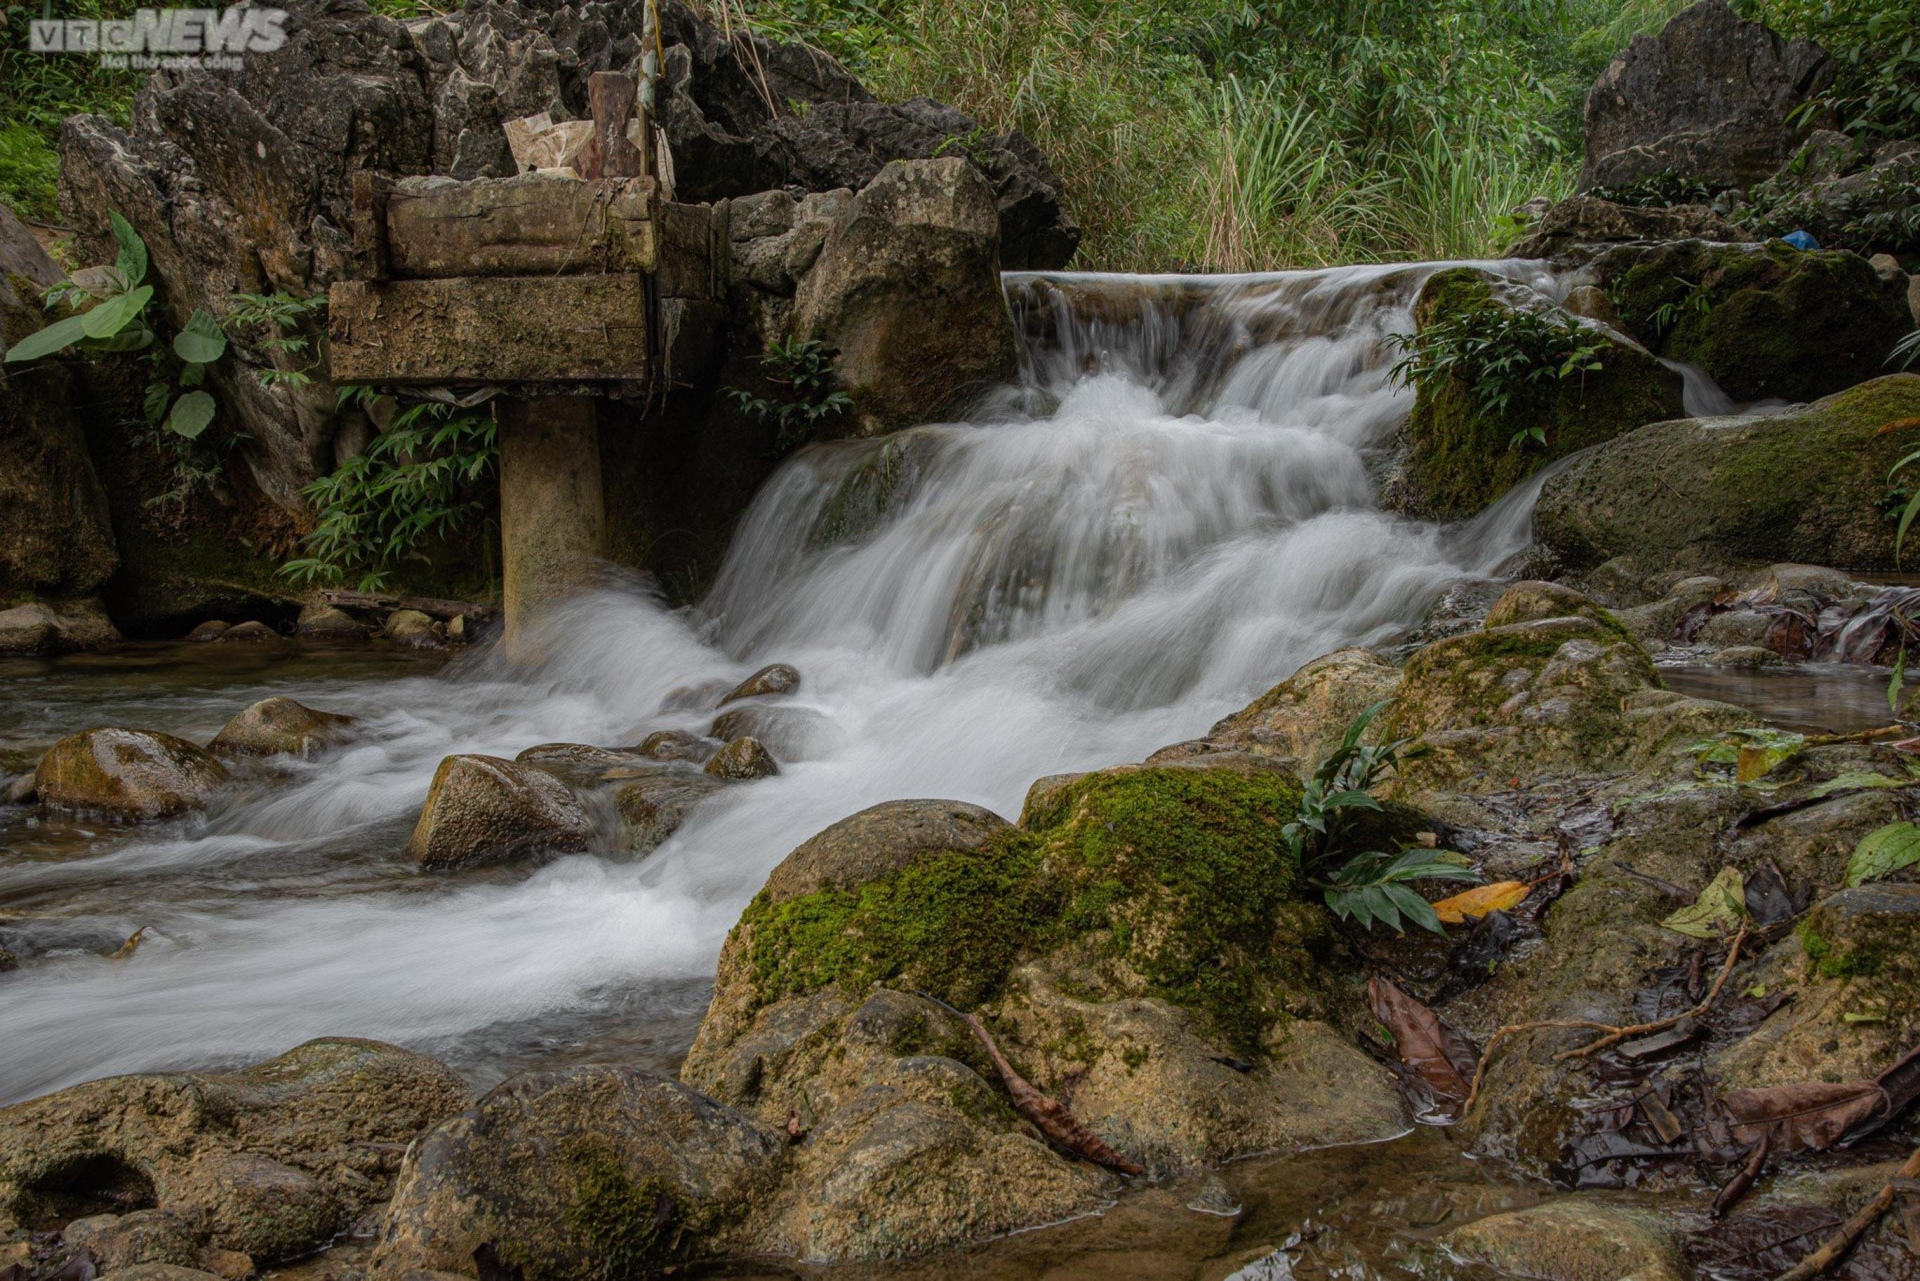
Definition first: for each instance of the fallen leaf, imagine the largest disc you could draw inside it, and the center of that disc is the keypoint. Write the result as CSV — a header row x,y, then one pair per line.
x,y
1768,901
1051,1118
1883,852
1501,896
1898,424
1717,912
131,946
1809,1116
1856,781
1438,1056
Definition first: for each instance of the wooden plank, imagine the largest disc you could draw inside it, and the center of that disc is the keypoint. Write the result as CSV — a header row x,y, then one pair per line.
x,y
533,224
383,603
370,194
488,329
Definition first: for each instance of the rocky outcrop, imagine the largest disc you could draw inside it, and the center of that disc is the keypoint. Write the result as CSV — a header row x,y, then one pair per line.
x,y
1699,495
1765,322
280,726
1707,98
481,809
127,774
40,628
1459,456
273,1160
1589,220
1844,193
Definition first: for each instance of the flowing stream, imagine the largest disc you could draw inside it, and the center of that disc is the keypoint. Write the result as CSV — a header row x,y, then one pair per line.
x,y
1170,512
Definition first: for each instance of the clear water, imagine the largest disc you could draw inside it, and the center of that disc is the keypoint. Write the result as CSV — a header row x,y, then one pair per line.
x,y
1170,512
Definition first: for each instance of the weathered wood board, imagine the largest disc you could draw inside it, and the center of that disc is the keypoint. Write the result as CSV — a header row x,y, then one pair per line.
x,y
523,329
536,224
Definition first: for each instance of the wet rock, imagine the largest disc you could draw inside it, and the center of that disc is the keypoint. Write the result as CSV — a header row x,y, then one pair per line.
x,y
1743,657
569,1173
1532,601
1735,627
742,760
1459,458
790,733
776,678
481,809
211,630
277,726
1708,98
1591,303
1589,220
252,630
1766,322
120,1241
921,239
654,808
411,627
230,1265
23,790
1305,716
1801,487
580,764
879,840
325,622
164,1272
676,745
41,629
1574,1239
273,1160
127,774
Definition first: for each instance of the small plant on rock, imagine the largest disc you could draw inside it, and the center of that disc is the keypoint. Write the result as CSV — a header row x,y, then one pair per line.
x,y
799,373
1365,885
1511,361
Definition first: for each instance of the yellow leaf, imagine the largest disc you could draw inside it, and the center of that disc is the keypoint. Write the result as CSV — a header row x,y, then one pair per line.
x,y
1501,896
1717,912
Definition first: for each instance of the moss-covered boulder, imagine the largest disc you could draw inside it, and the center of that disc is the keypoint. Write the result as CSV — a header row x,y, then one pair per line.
x,y
594,1171
274,1159
281,727
1460,455
1805,487
1304,717
481,809
1766,322
127,774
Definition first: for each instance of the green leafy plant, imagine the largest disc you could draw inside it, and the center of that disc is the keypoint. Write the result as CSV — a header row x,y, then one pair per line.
x,y
1660,191
798,373
1884,851
1365,885
1693,302
279,316
114,301
1510,360
415,481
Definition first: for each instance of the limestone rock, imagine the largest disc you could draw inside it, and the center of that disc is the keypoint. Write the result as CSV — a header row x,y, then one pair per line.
x,y
275,1158
121,1241
43,629
325,622
1305,716
482,809
743,760
1764,321
1707,98
1574,1239
1802,486
654,808
127,774
921,241
1459,458
277,726
775,678
568,1173
1590,220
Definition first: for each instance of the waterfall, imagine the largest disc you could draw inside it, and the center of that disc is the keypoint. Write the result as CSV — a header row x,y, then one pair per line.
x,y
1170,510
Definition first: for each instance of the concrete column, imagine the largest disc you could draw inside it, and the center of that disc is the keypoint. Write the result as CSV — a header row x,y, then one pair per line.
x,y
553,519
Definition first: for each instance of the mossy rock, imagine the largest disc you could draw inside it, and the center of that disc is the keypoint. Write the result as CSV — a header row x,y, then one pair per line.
x,y
1764,321
1805,487
882,479
128,774
1460,458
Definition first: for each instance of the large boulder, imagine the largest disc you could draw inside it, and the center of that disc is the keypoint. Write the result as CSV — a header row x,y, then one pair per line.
x,y
1697,494
280,726
482,809
55,539
1460,456
1589,220
275,1158
907,290
1766,322
593,1171
127,774
39,628
1708,98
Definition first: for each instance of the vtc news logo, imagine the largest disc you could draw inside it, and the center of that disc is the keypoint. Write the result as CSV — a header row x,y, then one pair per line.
x,y
207,39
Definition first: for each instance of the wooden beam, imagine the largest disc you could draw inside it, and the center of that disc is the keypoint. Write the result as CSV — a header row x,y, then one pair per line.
x,y
534,224
385,603
370,194
523,329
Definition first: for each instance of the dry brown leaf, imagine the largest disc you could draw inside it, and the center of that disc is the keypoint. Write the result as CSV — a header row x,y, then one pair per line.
x,y
1434,1052
1048,1114
131,946
1898,424
1501,896
1808,1116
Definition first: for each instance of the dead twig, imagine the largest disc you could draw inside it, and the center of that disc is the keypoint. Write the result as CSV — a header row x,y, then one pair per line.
x,y
1840,1242
1737,1186
1611,1034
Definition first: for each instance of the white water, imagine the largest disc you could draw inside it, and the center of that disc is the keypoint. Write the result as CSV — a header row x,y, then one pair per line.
x,y
1171,513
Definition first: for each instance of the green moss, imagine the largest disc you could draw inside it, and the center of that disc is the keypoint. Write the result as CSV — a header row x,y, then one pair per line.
x,y
1461,458
1834,961
631,1224
1179,874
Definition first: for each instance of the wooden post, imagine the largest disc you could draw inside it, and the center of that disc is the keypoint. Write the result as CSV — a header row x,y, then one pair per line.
x,y
553,523
608,154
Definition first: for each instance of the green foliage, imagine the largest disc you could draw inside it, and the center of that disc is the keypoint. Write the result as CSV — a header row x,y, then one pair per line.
x,y
1365,885
1876,50
1660,191
1513,361
416,481
798,373
1883,852
275,321
37,92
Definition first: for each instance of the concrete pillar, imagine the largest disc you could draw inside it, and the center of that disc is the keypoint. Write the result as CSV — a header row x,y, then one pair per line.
x,y
553,518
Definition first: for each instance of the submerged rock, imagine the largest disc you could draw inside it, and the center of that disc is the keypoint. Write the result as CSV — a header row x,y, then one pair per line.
x,y
128,774
654,808
1574,1239
589,1171
742,760
1703,494
274,1159
252,630
776,678
677,745
481,809
277,726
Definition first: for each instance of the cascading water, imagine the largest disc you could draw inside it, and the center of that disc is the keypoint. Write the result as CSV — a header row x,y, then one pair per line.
x,y
1169,513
